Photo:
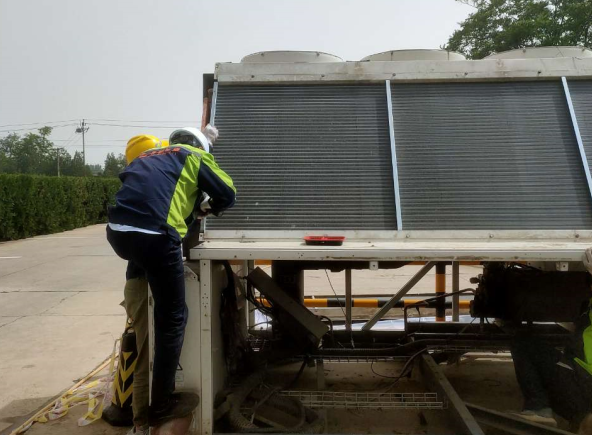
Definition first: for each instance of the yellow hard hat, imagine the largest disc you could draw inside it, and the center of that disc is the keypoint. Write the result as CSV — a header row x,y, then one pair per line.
x,y
138,144
164,142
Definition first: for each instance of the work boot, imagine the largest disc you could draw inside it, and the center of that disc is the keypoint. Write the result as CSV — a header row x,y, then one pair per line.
x,y
541,416
178,426
178,405
139,431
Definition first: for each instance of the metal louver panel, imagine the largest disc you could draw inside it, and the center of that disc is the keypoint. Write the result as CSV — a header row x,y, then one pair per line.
x,y
488,156
581,96
306,157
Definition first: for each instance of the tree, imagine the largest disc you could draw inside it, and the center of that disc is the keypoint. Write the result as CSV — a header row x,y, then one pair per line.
x,y
114,165
96,169
34,153
77,168
28,154
500,25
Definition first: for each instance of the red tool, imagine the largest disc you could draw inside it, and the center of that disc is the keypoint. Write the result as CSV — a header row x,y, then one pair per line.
x,y
324,240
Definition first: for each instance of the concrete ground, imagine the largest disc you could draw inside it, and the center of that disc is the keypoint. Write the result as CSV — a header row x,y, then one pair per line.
x,y
60,312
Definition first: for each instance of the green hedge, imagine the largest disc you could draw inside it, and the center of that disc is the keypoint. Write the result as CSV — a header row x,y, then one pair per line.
x,y
31,205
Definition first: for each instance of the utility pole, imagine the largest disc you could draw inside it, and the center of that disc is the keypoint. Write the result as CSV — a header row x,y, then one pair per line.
x,y
58,158
83,129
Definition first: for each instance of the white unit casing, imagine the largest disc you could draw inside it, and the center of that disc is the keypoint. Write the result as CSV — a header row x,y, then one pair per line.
x,y
415,54
542,53
287,56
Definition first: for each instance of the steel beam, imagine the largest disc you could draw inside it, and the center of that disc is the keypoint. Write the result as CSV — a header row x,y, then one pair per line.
x,y
348,299
398,296
391,122
576,127
510,424
440,291
207,386
455,288
436,381
214,100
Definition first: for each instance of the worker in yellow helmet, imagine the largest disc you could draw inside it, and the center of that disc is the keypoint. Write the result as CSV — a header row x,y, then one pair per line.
x,y
136,306
138,144
160,192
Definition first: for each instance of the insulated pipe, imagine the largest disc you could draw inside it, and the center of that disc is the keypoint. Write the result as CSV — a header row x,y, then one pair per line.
x,y
440,290
368,303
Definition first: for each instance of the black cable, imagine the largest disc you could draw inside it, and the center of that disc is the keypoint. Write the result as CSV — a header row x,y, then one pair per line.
x,y
351,336
250,295
403,370
378,374
335,293
297,377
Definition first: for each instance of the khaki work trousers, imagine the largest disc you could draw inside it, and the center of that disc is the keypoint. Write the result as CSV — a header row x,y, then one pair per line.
x,y
136,306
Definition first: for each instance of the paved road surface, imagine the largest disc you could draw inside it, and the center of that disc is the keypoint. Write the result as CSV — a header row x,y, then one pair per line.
x,y
59,314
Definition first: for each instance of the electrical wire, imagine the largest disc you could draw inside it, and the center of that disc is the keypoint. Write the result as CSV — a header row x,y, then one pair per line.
x,y
70,140
402,374
35,128
127,120
39,123
91,142
351,332
130,126
267,322
335,293
48,123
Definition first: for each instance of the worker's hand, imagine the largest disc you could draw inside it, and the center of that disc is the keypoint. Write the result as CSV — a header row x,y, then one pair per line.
x,y
205,208
211,133
587,259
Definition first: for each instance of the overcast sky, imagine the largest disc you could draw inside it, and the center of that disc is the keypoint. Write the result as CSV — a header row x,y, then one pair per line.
x,y
140,60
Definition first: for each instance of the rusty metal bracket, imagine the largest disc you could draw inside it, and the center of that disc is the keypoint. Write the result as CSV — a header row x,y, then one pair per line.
x,y
399,295
436,381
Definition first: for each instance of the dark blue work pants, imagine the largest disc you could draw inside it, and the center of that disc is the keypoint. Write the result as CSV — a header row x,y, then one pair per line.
x,y
545,384
159,256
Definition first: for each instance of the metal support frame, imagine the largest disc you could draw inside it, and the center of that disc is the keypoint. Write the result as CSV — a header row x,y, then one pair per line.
x,y
207,387
250,308
509,424
436,381
214,100
391,122
440,291
576,127
399,295
455,288
212,122
348,299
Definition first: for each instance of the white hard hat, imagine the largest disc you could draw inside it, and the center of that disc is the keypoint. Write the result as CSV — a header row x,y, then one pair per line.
x,y
190,136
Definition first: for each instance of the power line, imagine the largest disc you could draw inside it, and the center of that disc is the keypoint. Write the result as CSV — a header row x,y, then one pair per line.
x,y
132,126
127,120
69,140
72,143
34,128
38,123
97,141
104,146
